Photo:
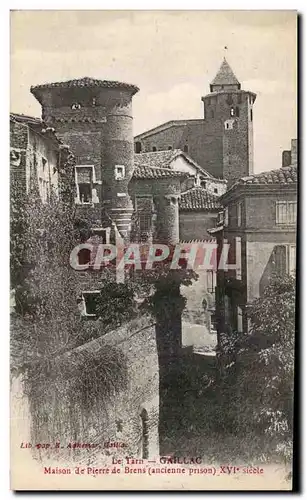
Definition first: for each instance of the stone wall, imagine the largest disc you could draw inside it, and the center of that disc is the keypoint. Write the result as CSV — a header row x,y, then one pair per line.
x,y
128,414
165,193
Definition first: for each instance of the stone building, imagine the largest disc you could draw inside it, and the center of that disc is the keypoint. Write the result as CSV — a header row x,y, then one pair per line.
x,y
37,156
222,141
259,223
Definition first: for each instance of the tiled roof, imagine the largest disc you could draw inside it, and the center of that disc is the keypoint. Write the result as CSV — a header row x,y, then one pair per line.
x,y
198,198
284,175
163,159
87,82
43,128
225,75
146,172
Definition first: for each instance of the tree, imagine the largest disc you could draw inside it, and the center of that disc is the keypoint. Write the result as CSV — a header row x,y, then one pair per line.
x,y
257,383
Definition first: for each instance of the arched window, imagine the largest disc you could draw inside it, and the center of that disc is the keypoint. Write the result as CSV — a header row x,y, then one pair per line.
x,y
145,434
154,149
186,148
138,147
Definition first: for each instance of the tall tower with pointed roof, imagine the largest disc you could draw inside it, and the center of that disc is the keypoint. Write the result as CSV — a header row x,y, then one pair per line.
x,y
228,117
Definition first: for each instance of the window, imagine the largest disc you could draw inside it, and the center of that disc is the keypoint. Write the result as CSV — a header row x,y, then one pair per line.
x,y
76,106
239,319
239,214
138,147
145,223
170,147
286,212
186,148
220,217
215,190
197,180
84,183
251,115
226,217
85,193
229,124
212,113
119,172
235,111
154,149
285,259
144,209
87,303
239,98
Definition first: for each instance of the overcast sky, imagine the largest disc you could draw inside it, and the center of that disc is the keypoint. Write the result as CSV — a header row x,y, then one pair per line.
x,y
171,56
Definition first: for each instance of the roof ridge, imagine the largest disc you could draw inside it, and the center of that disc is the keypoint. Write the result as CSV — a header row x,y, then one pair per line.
x,y
162,168
159,151
169,123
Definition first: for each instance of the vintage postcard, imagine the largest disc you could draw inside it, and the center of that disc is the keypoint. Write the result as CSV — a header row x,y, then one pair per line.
x,y
153,209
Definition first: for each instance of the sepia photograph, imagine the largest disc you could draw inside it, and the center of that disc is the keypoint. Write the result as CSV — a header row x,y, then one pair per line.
x,y
153,228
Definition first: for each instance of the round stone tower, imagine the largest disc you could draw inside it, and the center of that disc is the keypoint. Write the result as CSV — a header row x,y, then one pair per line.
x,y
94,117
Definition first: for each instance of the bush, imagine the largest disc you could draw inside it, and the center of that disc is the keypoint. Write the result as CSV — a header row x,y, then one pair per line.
x,y
257,374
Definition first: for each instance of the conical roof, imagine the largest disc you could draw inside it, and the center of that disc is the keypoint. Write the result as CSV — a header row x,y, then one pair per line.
x,y
225,75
